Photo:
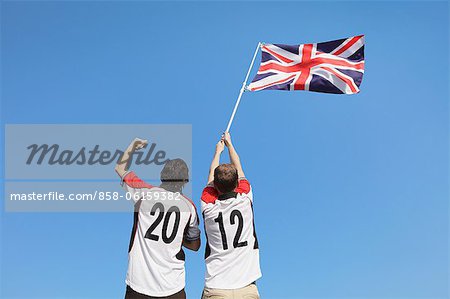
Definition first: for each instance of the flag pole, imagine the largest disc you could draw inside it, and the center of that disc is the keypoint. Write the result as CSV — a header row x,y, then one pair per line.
x,y
242,89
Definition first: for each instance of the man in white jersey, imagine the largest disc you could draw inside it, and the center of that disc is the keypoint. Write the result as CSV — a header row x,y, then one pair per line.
x,y
164,221
232,254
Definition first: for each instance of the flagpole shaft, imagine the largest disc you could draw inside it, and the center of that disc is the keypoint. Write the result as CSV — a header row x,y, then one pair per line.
x,y
242,89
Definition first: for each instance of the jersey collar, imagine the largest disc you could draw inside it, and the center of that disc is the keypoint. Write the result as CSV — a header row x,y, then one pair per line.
x,y
227,195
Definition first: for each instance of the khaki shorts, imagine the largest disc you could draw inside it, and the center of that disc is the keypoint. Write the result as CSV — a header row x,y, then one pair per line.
x,y
248,292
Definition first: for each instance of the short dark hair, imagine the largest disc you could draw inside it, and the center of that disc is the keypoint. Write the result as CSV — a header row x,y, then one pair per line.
x,y
175,170
225,178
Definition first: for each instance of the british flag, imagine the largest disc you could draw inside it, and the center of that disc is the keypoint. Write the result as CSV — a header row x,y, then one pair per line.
x,y
332,67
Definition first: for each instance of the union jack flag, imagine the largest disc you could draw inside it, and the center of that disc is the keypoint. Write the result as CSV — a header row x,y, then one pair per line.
x,y
332,67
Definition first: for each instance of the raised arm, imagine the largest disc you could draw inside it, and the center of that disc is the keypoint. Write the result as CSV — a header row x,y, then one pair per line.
x,y
234,157
124,163
216,160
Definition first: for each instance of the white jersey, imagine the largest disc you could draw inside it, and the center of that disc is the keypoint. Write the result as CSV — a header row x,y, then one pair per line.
x,y
162,220
232,254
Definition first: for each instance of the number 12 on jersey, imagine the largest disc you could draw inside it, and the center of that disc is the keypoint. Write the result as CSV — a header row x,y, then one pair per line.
x,y
235,215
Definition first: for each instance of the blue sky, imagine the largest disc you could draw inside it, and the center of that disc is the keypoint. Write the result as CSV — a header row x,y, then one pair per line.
x,y
351,192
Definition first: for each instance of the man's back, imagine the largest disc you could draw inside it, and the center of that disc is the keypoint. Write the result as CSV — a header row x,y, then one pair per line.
x,y
232,254
162,220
